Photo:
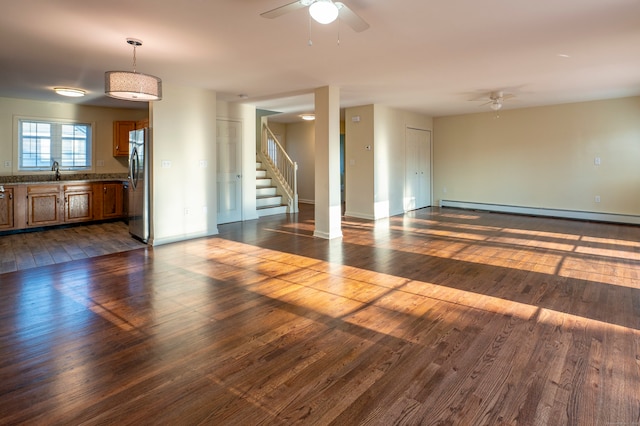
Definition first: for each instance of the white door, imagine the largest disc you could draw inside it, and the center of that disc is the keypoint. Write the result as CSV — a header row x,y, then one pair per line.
x,y
417,188
229,170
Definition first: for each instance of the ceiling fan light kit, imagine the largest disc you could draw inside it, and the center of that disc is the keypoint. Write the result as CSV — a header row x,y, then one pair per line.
x,y
323,11
132,86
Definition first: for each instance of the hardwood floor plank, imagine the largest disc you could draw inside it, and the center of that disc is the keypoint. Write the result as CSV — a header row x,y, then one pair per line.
x,y
440,316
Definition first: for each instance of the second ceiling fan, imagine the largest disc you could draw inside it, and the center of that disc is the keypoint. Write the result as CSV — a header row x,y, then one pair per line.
x,y
322,11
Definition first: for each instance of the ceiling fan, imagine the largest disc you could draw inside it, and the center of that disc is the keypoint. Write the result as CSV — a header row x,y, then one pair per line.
x,y
323,12
497,98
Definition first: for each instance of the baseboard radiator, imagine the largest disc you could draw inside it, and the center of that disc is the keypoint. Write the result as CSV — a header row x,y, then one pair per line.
x,y
536,211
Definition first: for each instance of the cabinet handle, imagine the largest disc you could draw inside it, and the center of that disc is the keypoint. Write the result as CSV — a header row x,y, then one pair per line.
x,y
105,189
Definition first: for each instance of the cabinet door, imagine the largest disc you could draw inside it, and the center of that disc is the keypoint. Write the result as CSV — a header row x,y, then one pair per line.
x,y
78,203
43,208
112,200
6,208
121,131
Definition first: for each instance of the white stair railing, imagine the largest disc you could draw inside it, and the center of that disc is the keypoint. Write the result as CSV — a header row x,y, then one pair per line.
x,y
281,167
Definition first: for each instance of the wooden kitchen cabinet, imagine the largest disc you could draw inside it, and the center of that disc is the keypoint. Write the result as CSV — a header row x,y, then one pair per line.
x,y
78,201
43,205
7,200
112,200
121,131
141,124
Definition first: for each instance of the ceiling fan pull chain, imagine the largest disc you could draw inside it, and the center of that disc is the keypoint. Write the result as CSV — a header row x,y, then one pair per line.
x,y
339,32
310,43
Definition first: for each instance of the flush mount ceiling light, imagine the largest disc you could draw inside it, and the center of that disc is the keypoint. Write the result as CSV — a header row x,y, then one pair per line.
x,y
67,91
132,86
308,117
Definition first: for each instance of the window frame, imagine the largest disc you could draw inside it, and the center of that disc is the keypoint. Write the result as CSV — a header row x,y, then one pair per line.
x,y
56,151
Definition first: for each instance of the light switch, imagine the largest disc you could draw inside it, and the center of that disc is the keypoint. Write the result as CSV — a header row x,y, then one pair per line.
x,y
165,164
596,161
352,162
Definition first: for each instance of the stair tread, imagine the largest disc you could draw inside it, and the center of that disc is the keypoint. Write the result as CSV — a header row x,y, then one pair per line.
x,y
270,206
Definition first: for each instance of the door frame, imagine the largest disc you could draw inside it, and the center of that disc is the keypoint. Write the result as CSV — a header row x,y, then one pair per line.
x,y
430,140
240,168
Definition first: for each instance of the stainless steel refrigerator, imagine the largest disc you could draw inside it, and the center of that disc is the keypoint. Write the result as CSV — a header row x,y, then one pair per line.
x,y
139,184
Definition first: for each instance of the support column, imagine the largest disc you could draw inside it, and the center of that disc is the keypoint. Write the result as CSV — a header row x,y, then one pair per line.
x,y
328,208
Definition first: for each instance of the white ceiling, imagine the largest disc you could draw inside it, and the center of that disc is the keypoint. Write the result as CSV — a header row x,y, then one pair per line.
x,y
427,56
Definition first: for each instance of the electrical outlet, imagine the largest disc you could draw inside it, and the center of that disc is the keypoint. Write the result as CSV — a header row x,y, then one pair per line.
x,y
187,212
165,164
7,163
596,161
100,163
597,198
203,164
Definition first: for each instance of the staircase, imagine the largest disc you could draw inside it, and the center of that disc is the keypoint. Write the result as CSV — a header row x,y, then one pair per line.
x,y
268,202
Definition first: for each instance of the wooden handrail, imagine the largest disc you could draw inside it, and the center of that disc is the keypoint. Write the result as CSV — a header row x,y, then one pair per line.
x,y
281,165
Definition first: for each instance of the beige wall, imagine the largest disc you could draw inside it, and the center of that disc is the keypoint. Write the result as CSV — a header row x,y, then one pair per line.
x,y
102,119
375,177
543,157
184,133
301,148
359,162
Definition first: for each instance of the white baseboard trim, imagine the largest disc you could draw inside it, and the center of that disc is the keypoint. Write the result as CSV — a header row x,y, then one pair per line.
x,y
537,211
306,201
327,235
359,215
183,237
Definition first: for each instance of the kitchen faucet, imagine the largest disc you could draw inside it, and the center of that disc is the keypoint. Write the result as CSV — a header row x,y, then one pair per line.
x,y
56,167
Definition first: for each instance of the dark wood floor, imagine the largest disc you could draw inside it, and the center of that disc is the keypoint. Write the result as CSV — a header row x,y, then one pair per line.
x,y
24,250
436,317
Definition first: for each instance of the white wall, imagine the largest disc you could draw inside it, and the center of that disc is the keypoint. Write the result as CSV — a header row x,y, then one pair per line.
x,y
102,119
543,157
184,132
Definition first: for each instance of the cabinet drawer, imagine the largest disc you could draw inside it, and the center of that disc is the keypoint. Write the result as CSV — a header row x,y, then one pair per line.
x,y
78,188
43,189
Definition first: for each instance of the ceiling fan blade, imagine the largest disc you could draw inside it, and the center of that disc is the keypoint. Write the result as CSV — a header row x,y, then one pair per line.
x,y
351,18
279,11
508,96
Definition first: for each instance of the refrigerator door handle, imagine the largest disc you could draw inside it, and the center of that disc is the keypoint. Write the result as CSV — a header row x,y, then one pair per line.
x,y
133,167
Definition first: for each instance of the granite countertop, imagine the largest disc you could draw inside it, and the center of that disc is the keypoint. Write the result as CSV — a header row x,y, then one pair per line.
x,y
64,178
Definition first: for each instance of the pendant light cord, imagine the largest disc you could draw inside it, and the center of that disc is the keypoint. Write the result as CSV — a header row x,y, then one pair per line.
x,y
134,57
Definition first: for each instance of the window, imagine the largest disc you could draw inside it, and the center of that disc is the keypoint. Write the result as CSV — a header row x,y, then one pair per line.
x,y
41,142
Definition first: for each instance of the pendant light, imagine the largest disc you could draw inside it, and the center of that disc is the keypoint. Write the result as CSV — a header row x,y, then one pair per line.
x,y
132,86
